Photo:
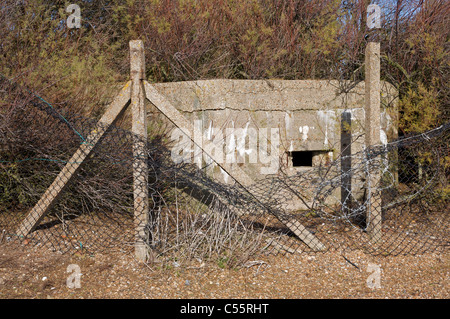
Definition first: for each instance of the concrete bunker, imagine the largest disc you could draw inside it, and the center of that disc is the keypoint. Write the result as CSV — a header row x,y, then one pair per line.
x,y
278,126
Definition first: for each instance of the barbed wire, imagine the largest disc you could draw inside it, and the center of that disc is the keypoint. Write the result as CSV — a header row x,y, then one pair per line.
x,y
319,209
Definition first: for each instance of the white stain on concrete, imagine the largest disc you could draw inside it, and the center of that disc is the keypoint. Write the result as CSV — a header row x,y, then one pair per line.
x,y
325,141
327,119
383,137
291,147
287,121
304,130
210,131
232,140
209,136
241,142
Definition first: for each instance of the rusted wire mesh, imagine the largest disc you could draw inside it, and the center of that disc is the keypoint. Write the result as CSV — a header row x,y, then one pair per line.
x,y
392,199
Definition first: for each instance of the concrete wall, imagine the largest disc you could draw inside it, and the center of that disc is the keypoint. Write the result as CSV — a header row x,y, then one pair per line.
x,y
307,114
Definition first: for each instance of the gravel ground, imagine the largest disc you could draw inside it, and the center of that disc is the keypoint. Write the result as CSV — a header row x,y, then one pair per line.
x,y
27,272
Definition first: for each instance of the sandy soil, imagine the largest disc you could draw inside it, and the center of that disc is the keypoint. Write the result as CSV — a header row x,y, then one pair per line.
x,y
30,272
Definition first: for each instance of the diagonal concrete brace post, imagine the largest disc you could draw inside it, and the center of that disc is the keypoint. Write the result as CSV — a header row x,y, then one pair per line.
x,y
61,181
178,119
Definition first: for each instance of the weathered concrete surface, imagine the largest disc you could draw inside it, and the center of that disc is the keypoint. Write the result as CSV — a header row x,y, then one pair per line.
x,y
238,175
306,113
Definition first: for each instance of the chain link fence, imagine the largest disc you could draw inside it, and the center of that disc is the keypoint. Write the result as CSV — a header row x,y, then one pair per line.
x,y
392,199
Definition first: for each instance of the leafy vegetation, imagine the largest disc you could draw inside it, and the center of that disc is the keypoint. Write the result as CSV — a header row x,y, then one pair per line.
x,y
202,39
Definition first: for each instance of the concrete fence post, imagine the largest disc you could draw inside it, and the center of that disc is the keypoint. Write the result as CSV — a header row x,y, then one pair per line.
x,y
140,165
346,162
372,137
